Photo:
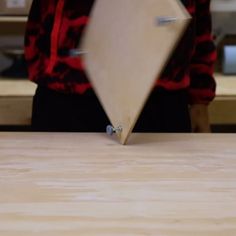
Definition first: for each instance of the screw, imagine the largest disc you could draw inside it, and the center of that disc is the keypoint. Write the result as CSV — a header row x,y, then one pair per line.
x,y
76,52
165,20
110,130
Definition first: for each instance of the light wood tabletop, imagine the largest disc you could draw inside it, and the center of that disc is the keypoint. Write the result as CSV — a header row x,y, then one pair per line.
x,y
70,184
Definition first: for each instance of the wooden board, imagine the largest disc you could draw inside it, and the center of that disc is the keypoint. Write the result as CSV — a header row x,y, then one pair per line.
x,y
15,110
125,52
70,184
16,101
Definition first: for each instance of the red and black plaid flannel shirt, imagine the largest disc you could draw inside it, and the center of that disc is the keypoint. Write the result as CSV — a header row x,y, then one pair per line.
x,y
54,27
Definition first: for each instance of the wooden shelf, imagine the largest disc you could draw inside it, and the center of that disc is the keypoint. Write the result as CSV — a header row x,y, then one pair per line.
x,y
13,19
16,101
226,86
16,87
223,6
222,109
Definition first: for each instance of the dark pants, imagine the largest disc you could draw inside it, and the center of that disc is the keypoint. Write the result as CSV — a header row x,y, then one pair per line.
x,y
165,111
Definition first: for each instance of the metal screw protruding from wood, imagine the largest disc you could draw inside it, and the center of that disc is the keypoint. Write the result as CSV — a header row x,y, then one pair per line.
x,y
165,20
111,130
76,52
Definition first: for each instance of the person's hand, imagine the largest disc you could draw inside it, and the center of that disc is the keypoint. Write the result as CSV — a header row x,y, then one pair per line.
x,y
199,118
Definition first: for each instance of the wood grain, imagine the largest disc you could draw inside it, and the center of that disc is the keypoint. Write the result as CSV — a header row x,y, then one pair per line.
x,y
69,184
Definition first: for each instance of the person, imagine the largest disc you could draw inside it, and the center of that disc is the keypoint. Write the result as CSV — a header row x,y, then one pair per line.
x,y
64,98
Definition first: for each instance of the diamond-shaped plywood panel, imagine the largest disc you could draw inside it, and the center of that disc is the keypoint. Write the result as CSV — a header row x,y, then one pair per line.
x,y
127,44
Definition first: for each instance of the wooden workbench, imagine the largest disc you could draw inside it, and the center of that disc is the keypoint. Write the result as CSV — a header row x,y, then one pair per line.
x,y
16,101
222,109
87,184
16,97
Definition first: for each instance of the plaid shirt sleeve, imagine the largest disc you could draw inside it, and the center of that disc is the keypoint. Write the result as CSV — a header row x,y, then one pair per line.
x,y
33,26
202,83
